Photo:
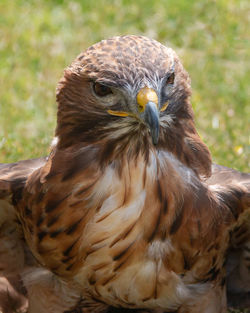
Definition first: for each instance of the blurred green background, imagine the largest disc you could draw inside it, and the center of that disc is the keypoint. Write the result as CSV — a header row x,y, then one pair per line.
x,y
38,39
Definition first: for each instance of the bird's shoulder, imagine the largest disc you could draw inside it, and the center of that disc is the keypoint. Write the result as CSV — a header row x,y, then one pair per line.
x,y
13,176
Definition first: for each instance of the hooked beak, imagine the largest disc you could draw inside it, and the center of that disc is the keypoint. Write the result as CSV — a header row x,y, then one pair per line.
x,y
152,120
147,101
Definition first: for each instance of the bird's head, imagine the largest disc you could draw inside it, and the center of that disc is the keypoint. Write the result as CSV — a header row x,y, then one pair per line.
x,y
130,91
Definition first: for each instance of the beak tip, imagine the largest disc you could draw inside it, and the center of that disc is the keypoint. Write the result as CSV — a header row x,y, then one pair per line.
x,y
155,136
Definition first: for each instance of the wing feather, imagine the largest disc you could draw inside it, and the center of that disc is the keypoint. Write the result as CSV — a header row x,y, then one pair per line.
x,y
233,189
13,175
13,250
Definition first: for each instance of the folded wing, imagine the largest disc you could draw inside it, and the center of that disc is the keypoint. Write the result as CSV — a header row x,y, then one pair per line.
x,y
14,253
233,189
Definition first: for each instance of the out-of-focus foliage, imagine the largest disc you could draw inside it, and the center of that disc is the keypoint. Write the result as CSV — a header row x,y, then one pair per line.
x,y
38,39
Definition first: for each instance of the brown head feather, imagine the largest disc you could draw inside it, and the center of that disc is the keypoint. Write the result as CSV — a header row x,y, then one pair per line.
x,y
128,63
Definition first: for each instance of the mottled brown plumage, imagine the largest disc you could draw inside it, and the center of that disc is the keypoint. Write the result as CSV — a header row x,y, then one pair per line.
x,y
122,215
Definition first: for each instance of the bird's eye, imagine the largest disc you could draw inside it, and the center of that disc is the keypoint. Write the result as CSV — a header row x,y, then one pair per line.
x,y
170,79
101,90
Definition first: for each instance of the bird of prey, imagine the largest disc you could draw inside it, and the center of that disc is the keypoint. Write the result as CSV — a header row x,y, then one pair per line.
x,y
127,213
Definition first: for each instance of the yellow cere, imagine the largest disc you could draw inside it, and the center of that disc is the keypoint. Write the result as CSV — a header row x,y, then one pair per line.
x,y
144,96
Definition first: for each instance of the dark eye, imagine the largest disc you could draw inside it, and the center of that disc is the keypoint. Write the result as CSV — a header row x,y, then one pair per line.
x,y
170,79
101,90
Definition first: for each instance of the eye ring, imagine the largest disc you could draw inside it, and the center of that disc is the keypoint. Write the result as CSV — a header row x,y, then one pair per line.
x,y
101,90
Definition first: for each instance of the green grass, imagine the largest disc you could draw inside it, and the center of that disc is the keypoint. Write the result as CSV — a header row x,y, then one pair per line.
x,y
38,39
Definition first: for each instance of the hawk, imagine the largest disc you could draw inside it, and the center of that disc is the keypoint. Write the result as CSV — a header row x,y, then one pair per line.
x,y
127,213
